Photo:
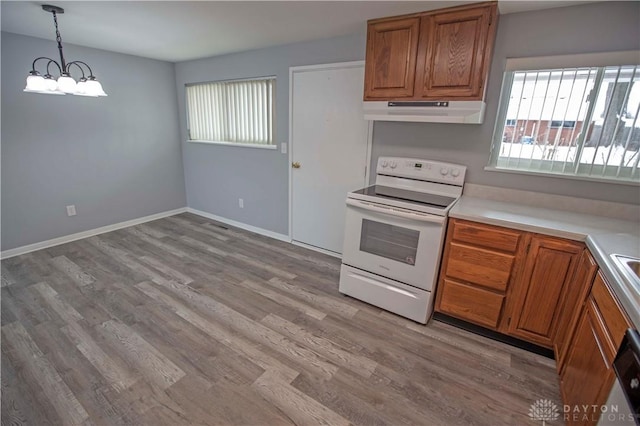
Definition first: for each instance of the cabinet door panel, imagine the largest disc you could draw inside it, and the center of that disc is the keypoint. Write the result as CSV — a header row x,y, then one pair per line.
x,y
574,297
587,376
479,266
549,267
469,303
391,58
454,54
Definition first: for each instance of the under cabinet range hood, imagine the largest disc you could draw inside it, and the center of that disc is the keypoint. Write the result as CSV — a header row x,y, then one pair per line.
x,y
468,112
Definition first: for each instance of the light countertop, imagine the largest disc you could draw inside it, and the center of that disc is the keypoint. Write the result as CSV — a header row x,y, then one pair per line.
x,y
603,236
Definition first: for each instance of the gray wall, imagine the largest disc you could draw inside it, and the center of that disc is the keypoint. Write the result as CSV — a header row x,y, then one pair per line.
x,y
119,158
116,158
217,175
579,29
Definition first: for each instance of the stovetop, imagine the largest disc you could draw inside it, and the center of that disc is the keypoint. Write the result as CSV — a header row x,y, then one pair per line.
x,y
423,202
400,194
419,185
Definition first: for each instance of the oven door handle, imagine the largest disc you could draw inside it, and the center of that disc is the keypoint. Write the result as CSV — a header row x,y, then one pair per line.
x,y
390,211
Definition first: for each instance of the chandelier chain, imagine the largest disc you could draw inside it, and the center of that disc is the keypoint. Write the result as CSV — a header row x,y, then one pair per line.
x,y
59,41
55,22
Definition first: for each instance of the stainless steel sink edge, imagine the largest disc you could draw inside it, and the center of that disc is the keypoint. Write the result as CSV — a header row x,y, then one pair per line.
x,y
623,286
629,267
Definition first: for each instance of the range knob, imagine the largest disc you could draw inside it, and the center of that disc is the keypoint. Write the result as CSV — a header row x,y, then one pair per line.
x,y
455,172
393,164
385,163
444,171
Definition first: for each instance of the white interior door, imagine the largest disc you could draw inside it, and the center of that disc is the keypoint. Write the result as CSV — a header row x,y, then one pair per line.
x,y
329,142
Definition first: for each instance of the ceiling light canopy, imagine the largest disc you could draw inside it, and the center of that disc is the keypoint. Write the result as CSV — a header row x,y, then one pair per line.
x,y
87,85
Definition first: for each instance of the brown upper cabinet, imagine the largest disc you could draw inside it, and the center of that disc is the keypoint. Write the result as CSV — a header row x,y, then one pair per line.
x,y
392,46
436,55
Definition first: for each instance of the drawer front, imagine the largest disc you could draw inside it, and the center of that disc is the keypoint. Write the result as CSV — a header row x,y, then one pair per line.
x,y
614,320
486,236
479,266
470,303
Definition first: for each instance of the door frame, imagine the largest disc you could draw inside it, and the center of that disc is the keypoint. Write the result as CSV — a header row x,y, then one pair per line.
x,y
369,136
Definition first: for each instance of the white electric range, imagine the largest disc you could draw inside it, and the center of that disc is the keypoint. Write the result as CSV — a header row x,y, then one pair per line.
x,y
394,232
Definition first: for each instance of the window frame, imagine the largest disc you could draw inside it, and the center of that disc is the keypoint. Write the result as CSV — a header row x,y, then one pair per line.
x,y
513,65
270,146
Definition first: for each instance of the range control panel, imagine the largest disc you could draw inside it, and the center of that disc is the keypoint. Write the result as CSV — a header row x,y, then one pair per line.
x,y
412,168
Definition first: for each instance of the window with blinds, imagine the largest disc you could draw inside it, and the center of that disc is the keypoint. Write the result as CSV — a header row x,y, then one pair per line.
x,y
239,111
580,122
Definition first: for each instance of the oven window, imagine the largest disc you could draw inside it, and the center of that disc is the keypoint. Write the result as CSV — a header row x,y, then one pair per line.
x,y
392,242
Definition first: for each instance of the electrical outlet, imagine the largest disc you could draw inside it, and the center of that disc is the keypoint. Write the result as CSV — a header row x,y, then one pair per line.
x,y
241,203
71,210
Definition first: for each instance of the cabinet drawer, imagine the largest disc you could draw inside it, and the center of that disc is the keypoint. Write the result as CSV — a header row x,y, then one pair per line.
x,y
479,266
486,236
470,303
609,310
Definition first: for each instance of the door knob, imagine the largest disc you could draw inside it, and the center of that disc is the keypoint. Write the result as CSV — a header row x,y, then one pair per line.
x,y
295,165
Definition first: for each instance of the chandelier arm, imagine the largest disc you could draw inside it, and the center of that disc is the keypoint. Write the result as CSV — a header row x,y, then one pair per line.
x,y
33,65
83,63
57,65
76,64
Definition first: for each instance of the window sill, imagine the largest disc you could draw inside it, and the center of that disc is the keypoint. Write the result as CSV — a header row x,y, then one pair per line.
x,y
235,144
562,176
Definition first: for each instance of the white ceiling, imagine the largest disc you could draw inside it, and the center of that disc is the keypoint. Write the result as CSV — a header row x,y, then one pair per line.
x,y
181,30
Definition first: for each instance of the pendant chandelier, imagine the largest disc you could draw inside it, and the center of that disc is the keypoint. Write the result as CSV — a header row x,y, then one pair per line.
x,y
87,85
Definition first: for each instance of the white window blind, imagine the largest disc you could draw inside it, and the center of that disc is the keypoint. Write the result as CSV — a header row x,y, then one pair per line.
x,y
580,122
238,111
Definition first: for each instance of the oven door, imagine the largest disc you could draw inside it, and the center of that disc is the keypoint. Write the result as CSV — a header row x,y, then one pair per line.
x,y
396,243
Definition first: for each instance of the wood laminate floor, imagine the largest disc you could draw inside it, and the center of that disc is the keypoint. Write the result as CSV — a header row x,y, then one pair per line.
x,y
185,321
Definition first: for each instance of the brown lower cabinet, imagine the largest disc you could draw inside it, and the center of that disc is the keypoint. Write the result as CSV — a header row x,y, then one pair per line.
x,y
538,293
543,290
506,280
586,374
575,296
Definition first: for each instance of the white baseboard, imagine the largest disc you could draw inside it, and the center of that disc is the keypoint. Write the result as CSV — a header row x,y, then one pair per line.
x,y
261,231
318,249
84,234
